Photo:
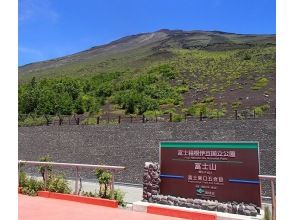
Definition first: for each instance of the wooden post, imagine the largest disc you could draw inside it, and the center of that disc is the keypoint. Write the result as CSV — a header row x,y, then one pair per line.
x,y
107,119
45,177
260,188
76,181
273,201
236,114
112,186
200,116
119,119
143,118
254,114
78,121
60,121
98,120
47,121
170,117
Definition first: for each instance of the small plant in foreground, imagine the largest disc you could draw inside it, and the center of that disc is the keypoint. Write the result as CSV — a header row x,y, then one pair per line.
x,y
31,186
119,197
267,213
57,183
104,178
47,167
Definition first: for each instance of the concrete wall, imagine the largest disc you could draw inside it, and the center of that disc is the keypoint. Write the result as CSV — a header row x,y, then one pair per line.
x,y
131,145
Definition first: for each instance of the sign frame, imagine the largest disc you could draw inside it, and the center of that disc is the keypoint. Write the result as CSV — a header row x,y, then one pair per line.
x,y
220,142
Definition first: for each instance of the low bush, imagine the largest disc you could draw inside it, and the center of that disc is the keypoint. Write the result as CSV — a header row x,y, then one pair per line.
x,y
104,179
267,213
57,183
198,108
177,117
182,89
259,110
22,181
260,83
119,197
89,121
31,186
90,194
41,169
30,121
236,105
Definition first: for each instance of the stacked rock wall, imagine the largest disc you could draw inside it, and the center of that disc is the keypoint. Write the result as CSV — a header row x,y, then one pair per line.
x,y
151,181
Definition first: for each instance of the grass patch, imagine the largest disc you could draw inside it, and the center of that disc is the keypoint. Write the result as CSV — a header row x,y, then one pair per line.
x,y
30,121
260,110
236,105
182,89
260,83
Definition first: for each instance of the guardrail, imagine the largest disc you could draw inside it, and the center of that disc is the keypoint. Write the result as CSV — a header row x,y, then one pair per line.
x,y
77,166
272,180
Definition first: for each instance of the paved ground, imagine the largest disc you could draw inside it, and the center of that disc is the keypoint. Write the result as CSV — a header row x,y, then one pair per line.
x,y
35,208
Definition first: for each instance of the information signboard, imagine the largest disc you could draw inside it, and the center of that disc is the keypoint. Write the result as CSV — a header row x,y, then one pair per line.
x,y
223,171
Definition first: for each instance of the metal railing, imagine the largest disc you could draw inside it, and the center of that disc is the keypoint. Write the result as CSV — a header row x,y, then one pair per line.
x,y
272,180
77,167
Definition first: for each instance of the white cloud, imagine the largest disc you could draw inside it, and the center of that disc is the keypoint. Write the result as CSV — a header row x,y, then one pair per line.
x,y
30,10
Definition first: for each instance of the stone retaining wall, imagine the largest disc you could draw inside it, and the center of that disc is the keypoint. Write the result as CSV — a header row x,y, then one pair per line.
x,y
131,145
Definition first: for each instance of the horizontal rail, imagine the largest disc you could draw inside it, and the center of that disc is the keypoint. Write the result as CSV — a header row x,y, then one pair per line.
x,y
72,165
267,177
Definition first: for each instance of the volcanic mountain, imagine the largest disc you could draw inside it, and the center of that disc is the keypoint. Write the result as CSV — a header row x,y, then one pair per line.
x,y
218,70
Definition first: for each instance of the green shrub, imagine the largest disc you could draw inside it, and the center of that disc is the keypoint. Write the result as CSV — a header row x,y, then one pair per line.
x,y
208,100
104,179
41,169
259,110
89,121
247,57
31,121
182,89
22,181
260,83
177,117
90,194
32,186
236,105
57,183
216,113
119,197
198,108
267,213
153,114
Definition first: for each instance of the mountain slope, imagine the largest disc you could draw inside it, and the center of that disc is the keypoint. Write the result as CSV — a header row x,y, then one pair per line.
x,y
125,52
183,72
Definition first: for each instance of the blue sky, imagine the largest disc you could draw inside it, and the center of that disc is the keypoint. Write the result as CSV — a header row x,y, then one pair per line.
x,y
54,28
